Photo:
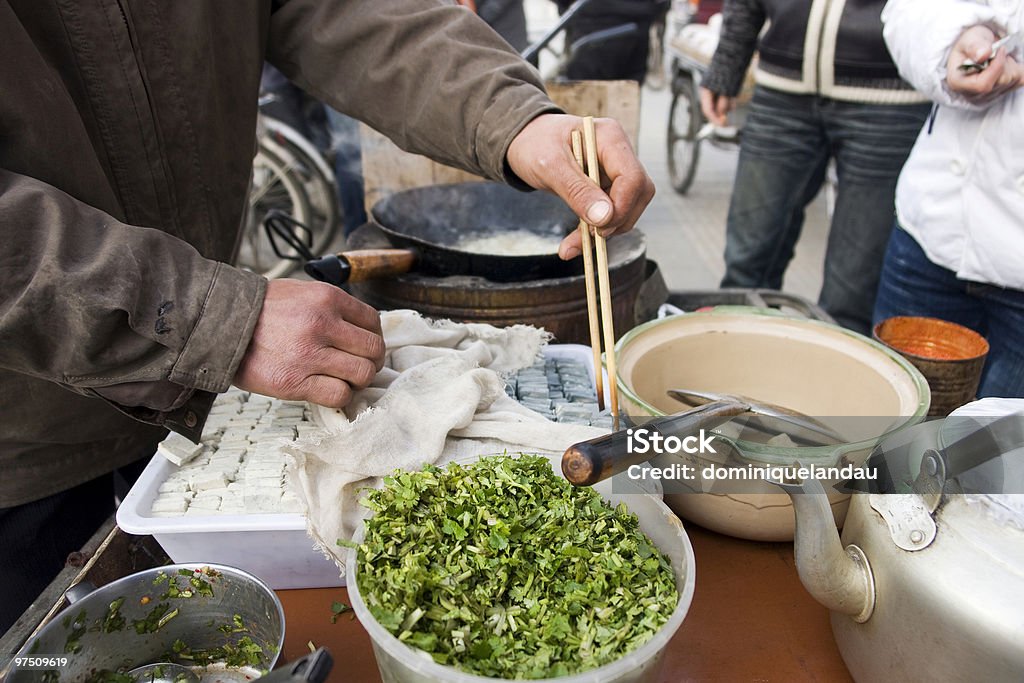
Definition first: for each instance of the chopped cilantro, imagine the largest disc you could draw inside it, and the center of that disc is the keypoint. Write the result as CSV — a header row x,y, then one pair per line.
x,y
504,569
337,609
76,624
243,651
114,621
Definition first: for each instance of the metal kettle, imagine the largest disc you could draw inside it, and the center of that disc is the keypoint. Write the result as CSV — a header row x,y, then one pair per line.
x,y
927,584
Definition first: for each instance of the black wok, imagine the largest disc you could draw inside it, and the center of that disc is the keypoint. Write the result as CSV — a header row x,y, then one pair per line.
x,y
428,223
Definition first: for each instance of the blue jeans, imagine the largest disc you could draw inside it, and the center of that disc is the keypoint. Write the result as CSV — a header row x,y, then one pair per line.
x,y
348,168
913,285
787,142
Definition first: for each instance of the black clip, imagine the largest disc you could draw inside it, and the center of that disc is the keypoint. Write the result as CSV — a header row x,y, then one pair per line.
x,y
279,225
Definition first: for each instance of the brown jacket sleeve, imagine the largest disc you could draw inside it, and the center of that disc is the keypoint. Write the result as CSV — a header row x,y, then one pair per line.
x,y
72,272
136,315
429,74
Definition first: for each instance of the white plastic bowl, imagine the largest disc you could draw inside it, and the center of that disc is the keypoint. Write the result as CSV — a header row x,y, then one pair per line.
x,y
401,663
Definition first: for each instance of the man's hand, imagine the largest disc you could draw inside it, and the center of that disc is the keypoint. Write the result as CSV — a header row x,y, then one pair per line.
x,y
716,107
1002,74
541,155
312,342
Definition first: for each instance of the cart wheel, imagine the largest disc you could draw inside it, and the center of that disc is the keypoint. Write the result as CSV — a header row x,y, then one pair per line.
x,y
684,121
274,186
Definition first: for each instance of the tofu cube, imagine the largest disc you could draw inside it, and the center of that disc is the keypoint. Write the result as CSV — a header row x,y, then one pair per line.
x,y
178,449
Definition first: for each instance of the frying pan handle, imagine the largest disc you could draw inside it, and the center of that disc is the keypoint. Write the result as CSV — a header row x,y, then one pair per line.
x,y
361,265
588,462
329,269
370,264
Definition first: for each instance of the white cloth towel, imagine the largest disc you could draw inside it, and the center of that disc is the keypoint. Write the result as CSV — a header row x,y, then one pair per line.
x,y
440,397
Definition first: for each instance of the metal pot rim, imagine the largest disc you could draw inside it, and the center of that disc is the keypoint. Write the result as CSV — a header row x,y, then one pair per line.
x,y
104,592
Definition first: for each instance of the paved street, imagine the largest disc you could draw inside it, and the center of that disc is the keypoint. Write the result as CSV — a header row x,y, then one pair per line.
x,y
687,234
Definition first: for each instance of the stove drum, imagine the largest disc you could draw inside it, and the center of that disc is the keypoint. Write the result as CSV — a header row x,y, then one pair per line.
x,y
559,305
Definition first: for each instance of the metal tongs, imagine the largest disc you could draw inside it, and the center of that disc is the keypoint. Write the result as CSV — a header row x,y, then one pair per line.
x,y
334,269
298,240
588,462
1010,41
297,237
801,428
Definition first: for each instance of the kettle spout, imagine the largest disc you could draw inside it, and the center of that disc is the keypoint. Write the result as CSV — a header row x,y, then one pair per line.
x,y
837,577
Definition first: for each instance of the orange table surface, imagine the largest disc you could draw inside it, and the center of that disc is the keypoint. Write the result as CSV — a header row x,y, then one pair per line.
x,y
750,620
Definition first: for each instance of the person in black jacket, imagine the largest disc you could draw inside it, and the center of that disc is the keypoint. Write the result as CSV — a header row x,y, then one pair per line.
x,y
507,18
623,57
826,89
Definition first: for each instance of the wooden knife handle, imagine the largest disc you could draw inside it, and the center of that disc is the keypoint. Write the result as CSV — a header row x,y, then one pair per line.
x,y
588,462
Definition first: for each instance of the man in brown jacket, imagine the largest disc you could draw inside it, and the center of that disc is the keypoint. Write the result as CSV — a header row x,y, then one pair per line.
x,y
126,142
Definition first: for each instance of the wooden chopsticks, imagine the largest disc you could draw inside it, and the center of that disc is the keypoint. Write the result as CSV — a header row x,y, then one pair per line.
x,y
593,241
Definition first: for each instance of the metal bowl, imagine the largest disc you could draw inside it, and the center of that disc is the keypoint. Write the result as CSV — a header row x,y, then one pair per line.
x,y
93,636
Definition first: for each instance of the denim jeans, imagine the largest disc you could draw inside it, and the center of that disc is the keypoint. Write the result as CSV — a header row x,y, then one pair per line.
x,y
913,285
787,142
348,168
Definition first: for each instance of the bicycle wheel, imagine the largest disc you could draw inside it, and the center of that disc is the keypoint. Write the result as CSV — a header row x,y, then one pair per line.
x,y
273,186
303,162
684,122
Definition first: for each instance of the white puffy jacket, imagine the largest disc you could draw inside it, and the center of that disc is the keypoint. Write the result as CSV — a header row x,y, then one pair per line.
x,y
961,192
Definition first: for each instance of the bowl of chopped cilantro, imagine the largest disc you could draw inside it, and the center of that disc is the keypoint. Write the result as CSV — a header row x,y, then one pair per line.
x,y
210,618
499,569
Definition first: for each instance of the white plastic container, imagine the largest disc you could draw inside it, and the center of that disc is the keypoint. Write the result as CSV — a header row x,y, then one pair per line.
x,y
273,547
401,663
583,355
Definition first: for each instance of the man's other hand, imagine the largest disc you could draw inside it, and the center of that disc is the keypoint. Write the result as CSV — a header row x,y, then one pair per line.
x,y
1002,74
716,107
